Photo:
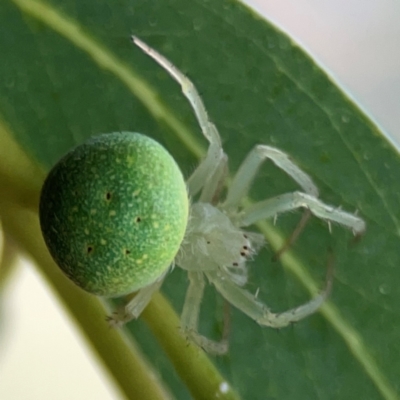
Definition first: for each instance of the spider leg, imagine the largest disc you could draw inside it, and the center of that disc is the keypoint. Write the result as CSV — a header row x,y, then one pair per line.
x,y
250,166
215,152
258,311
215,183
291,201
135,306
294,235
190,316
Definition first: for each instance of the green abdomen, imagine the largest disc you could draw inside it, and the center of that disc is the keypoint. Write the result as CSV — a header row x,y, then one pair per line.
x,y
113,213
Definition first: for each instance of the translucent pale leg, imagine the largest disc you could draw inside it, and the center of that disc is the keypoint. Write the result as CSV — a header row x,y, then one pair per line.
x,y
214,183
250,166
215,151
257,310
291,201
190,316
135,307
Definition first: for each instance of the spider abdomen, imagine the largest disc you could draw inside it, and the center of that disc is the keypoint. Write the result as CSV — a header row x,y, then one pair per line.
x,y
113,212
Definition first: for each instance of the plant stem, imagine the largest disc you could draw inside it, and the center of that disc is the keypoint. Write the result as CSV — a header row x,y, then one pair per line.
x,y
132,373
193,366
8,259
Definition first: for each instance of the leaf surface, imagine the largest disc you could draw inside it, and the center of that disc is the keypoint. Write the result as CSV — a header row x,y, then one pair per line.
x,y
65,81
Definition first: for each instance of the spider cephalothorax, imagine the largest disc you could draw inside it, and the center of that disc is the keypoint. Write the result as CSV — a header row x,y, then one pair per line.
x,y
212,241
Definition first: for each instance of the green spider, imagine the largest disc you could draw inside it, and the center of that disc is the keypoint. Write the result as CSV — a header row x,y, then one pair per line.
x,y
116,217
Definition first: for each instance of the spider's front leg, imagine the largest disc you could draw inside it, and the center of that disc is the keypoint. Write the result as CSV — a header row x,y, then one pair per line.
x,y
287,202
291,201
250,166
247,172
215,154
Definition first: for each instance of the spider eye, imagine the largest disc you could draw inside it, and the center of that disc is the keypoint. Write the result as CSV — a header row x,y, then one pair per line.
x,y
113,212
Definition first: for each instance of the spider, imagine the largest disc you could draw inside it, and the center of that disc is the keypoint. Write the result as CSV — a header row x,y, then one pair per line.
x,y
207,238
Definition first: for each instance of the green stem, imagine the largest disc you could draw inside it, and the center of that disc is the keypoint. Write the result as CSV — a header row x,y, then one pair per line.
x,y
193,366
132,373
8,259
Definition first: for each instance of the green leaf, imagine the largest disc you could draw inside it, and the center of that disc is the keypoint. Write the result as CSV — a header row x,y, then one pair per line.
x,y
69,71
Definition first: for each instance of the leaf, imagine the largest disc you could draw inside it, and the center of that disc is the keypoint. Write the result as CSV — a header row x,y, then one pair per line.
x,y
65,80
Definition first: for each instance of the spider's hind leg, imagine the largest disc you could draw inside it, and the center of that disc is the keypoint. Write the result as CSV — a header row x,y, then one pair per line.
x,y
135,305
293,236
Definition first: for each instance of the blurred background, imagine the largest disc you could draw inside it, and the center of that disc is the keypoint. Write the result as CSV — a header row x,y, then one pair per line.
x,y
358,46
